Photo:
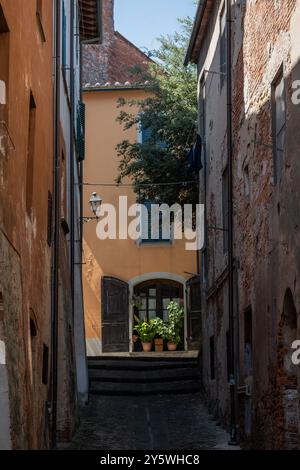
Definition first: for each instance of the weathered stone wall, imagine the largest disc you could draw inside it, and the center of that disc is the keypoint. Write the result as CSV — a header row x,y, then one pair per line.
x,y
266,218
25,266
266,215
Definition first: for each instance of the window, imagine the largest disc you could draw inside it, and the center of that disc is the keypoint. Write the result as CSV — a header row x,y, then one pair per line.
x,y
63,185
49,227
247,187
223,47
145,135
64,37
45,364
155,296
4,68
248,342
33,348
39,15
212,357
225,208
155,227
202,127
30,154
279,123
81,131
228,348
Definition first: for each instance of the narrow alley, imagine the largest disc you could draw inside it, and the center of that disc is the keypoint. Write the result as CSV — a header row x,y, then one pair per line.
x,y
139,404
149,227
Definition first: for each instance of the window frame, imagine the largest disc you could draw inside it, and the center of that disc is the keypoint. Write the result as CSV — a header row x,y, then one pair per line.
x,y
150,240
223,46
39,16
278,161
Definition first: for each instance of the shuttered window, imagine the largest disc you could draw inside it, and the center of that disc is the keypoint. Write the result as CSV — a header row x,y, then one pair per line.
x,y
64,37
279,123
151,227
81,130
223,47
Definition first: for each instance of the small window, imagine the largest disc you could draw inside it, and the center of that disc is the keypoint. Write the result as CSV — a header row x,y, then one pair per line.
x,y
146,136
4,74
30,154
33,348
225,208
49,227
228,352
202,126
248,342
64,37
63,185
279,123
247,188
152,227
39,15
45,364
223,47
212,357
3,23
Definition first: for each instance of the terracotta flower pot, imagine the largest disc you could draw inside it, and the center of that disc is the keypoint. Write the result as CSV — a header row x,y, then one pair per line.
x,y
147,347
172,347
159,344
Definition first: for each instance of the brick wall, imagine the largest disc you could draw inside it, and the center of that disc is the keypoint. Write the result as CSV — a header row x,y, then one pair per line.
x,y
265,216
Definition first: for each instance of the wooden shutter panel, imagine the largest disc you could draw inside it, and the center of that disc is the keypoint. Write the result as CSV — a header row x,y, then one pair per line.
x,y
81,130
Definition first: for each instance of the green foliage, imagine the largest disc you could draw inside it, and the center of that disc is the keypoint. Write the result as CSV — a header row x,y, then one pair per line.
x,y
146,330
175,323
170,112
170,330
160,327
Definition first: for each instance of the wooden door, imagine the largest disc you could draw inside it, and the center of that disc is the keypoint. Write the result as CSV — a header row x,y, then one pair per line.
x,y
194,313
115,315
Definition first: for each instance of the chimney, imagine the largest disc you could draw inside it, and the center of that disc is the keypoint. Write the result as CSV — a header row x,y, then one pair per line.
x,y
108,24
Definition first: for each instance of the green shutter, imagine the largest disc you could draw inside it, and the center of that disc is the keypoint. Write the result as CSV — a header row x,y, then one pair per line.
x,y
81,130
64,37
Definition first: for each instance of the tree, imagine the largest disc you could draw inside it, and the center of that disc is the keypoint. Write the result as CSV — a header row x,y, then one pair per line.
x,y
170,115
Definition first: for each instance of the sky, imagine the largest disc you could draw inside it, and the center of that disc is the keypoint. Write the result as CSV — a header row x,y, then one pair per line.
x,y
142,21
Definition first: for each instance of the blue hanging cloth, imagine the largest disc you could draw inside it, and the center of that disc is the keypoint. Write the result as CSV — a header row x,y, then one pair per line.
x,y
194,155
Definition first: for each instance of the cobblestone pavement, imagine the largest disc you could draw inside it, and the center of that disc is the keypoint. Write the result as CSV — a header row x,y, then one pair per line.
x,y
177,422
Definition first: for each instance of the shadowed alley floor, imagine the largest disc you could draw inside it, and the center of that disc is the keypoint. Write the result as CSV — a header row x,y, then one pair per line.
x,y
172,422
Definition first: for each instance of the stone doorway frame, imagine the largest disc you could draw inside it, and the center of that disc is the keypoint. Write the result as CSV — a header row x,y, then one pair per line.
x,y
157,276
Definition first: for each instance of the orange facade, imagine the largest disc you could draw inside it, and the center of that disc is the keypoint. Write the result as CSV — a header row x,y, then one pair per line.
x,y
126,260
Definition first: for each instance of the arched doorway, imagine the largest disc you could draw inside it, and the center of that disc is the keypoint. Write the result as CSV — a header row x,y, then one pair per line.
x,y
154,297
287,374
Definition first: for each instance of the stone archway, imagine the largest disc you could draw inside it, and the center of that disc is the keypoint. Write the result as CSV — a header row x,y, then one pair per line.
x,y
287,375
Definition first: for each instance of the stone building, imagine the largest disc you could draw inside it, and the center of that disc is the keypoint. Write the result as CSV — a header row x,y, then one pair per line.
x,y
256,65
42,348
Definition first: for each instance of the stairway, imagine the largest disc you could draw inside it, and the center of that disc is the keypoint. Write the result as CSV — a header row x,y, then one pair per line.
x,y
140,375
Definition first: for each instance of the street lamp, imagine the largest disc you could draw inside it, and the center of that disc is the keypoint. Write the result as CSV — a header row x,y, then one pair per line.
x,y
95,204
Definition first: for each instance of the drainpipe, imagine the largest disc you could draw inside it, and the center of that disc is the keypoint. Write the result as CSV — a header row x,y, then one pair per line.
x,y
55,262
232,382
72,156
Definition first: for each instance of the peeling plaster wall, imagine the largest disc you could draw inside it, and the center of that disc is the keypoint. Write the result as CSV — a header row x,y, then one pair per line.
x,y
266,216
25,257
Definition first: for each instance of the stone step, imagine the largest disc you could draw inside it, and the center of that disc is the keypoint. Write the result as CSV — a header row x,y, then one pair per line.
x,y
146,357
144,376
138,389
131,365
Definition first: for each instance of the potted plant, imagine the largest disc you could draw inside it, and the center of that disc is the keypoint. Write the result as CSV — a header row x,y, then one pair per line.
x,y
174,325
160,333
146,333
